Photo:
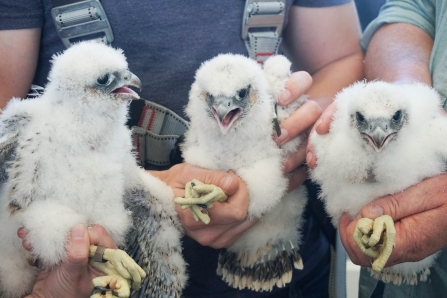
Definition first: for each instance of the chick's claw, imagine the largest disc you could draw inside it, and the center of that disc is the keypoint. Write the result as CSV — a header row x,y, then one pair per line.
x,y
121,270
199,195
376,239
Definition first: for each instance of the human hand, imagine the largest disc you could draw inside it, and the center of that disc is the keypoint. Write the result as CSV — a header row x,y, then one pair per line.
x,y
73,277
321,127
228,219
419,216
297,123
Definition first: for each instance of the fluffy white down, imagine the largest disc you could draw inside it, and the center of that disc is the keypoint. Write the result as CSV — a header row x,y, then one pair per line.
x,y
249,150
73,157
345,160
248,147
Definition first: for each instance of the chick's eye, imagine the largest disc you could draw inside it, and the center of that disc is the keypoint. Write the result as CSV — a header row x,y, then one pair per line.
x,y
397,115
241,94
103,80
359,117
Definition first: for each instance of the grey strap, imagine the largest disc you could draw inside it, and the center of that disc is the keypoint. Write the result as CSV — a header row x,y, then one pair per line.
x,y
81,20
262,26
156,133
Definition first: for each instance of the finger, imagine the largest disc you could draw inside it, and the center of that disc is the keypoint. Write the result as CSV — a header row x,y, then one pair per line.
x,y
326,119
300,120
297,84
77,247
297,177
99,237
427,195
22,233
295,160
228,182
321,127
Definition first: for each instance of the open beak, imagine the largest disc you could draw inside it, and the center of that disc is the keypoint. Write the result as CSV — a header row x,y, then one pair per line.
x,y
124,92
378,137
226,112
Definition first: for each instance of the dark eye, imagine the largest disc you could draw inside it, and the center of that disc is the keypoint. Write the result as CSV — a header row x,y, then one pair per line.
x,y
397,115
209,97
241,94
359,117
103,80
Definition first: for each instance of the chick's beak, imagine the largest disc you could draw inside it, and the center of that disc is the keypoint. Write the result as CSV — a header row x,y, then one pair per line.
x,y
379,135
124,92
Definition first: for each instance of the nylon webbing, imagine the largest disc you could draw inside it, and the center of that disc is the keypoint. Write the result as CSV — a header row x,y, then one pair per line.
x,y
156,133
262,26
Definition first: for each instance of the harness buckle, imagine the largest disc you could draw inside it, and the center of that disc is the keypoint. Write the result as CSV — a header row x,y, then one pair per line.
x,y
262,25
263,14
82,20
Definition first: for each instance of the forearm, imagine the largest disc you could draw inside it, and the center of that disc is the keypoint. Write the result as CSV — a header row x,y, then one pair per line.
x,y
329,51
19,51
333,77
399,52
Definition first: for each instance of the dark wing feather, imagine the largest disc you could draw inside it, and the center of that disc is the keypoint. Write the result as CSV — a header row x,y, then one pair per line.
x,y
163,275
10,128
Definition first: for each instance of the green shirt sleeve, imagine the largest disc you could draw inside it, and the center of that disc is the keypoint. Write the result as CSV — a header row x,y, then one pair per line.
x,y
420,13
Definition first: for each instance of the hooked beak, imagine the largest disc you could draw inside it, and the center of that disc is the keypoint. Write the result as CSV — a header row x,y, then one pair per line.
x,y
124,92
378,138
226,112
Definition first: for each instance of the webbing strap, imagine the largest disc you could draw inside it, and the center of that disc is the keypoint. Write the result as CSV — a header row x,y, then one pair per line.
x,y
156,133
77,20
262,26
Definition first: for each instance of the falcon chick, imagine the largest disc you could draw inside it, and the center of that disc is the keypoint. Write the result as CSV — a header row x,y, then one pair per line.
x,y
231,109
383,139
65,159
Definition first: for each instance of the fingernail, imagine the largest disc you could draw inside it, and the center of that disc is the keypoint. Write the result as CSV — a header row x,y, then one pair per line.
x,y
374,211
78,232
283,137
284,97
226,181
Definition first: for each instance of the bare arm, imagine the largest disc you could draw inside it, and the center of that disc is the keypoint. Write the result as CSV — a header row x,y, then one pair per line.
x,y
325,42
399,52
19,50
330,52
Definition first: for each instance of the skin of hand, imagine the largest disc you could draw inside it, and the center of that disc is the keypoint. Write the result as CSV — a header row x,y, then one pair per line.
x,y
330,53
228,219
73,277
418,211
418,214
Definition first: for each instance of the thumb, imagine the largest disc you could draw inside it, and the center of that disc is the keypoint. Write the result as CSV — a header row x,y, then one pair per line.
x,y
415,199
77,247
322,127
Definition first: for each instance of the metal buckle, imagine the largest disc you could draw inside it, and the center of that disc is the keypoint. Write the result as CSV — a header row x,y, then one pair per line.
x,y
81,20
263,14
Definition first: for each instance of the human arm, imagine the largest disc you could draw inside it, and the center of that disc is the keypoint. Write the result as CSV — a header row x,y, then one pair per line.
x,y
330,52
19,50
73,277
228,219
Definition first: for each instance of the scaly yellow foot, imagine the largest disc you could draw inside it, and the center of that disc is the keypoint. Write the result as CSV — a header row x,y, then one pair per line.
x,y
197,194
121,270
376,239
